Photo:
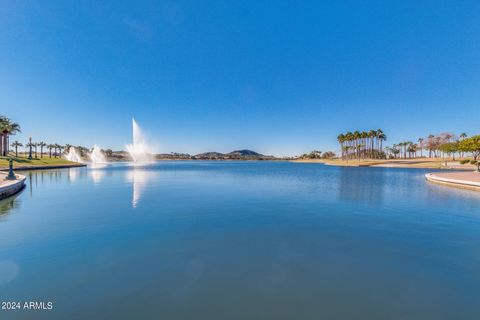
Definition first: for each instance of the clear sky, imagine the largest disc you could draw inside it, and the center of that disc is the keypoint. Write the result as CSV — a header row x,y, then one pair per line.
x,y
278,77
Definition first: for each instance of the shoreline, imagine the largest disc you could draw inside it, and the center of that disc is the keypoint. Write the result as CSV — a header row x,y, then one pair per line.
x,y
464,180
398,163
42,167
10,187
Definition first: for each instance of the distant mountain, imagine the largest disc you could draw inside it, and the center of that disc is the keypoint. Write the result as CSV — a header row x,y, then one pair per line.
x,y
234,155
245,153
210,155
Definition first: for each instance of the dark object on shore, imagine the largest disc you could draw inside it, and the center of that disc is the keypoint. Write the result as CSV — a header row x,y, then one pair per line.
x,y
11,174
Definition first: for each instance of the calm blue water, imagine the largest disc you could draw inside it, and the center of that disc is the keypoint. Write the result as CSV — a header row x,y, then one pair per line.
x,y
240,240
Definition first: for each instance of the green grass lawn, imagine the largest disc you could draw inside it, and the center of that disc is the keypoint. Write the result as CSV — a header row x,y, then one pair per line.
x,y
22,161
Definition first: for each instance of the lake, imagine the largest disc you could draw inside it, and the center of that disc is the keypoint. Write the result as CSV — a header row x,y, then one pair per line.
x,y
240,240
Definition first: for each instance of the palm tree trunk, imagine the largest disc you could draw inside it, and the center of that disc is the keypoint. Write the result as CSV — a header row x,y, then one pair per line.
x,y
2,144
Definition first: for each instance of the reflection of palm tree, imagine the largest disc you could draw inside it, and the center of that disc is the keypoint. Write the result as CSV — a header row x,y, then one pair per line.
x,y
9,203
16,144
41,145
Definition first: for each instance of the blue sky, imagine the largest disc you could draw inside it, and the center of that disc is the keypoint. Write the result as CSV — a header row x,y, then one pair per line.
x,y
278,77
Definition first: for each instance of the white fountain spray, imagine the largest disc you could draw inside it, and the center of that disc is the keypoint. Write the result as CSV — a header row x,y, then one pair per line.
x,y
139,150
97,156
73,155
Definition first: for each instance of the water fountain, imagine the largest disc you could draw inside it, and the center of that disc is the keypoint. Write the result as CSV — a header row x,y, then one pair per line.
x,y
139,150
73,155
97,156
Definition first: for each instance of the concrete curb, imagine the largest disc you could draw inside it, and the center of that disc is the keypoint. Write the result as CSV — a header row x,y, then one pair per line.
x,y
60,166
12,186
453,182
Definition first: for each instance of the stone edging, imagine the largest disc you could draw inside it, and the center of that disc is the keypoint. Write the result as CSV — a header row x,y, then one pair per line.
x,y
453,182
12,187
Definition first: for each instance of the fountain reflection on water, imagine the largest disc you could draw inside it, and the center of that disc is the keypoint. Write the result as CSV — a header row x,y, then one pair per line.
x,y
97,175
139,179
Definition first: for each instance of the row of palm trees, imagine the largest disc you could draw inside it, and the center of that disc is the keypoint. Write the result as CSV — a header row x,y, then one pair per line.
x,y
31,149
362,145
402,150
7,128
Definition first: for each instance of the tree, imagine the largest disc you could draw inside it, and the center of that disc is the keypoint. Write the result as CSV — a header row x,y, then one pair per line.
x,y
50,147
449,148
412,149
7,128
41,144
341,140
29,146
420,146
328,155
55,147
381,137
395,150
16,144
347,148
35,145
60,147
472,145
462,136
365,144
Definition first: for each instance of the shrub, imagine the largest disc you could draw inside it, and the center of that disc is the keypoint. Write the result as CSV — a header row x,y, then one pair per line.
x,y
473,161
464,161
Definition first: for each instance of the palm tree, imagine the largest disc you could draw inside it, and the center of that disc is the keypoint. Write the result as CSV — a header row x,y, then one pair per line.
x,y
356,136
430,144
346,150
60,147
50,147
381,137
412,149
35,145
420,145
372,134
29,145
41,145
16,144
341,140
7,128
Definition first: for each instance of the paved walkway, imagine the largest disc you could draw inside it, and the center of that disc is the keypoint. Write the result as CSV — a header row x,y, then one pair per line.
x,y
461,179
